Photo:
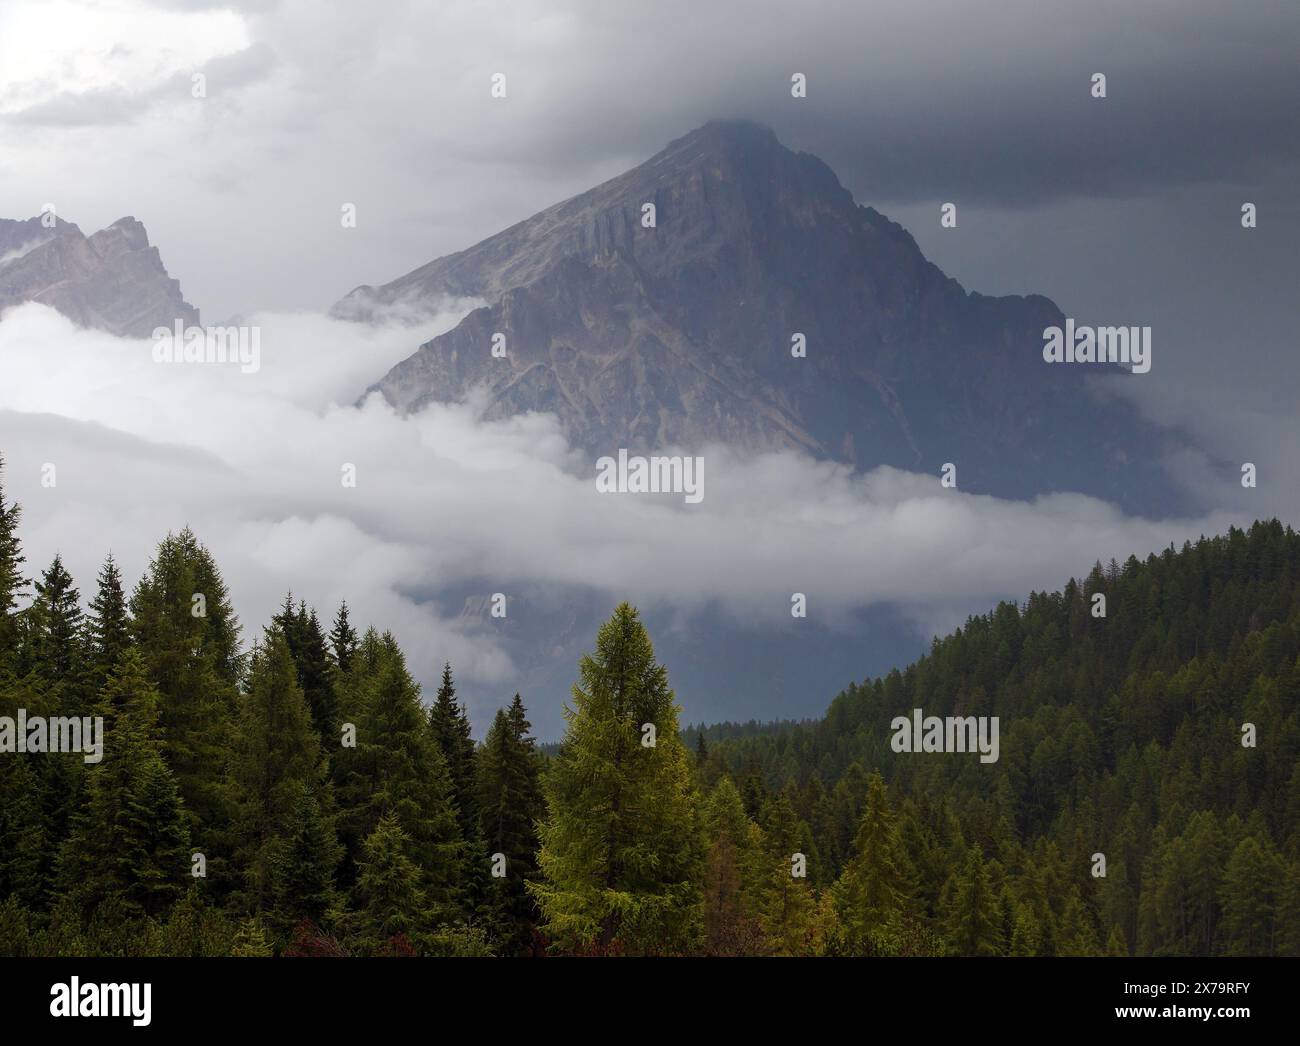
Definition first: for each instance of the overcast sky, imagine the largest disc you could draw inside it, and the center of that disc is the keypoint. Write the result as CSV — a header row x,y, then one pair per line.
x,y
1124,210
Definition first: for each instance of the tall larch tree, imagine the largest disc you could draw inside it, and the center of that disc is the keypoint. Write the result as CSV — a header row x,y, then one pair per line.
x,y
787,904
871,892
971,916
735,870
622,848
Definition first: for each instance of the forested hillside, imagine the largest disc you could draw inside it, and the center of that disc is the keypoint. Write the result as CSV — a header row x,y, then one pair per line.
x,y
1121,735
290,793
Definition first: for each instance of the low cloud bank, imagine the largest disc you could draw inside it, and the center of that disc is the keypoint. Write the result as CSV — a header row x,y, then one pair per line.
x,y
255,464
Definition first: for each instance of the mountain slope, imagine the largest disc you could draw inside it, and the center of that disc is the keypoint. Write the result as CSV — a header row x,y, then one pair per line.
x,y
681,334
113,280
1164,736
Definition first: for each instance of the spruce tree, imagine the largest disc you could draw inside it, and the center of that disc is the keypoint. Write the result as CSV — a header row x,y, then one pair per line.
x,y
315,674
57,648
185,628
398,772
130,842
275,753
154,838
391,900
510,804
24,831
304,862
108,627
451,731
621,848
306,641
343,640
349,766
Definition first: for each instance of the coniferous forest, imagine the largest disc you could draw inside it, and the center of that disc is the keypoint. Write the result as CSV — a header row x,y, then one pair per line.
x,y
293,793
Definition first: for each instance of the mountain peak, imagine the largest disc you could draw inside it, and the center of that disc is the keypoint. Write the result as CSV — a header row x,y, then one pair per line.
x,y
661,307
730,132
725,181
132,231
112,280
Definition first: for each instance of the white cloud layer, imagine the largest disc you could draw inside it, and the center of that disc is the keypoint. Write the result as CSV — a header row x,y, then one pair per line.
x,y
253,462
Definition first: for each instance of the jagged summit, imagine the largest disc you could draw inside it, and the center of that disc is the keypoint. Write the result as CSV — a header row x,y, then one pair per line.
x,y
681,333
731,158
112,280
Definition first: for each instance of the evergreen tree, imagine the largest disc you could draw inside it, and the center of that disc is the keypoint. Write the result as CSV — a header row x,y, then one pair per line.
x,y
871,893
185,628
306,642
398,772
786,904
350,767
451,731
1251,884
108,629
1115,944
510,804
391,900
1025,936
303,864
735,870
154,837
972,921
24,835
130,842
1078,935
621,847
250,941
275,753
56,627
343,640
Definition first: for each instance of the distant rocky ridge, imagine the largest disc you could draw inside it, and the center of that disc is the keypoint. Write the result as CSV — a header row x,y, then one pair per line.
x,y
681,334
112,281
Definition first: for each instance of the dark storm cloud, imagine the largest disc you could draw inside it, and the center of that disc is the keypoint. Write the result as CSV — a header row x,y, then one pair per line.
x,y
908,101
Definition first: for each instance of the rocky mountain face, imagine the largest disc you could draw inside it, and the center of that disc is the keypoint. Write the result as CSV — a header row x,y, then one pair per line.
x,y
113,280
681,333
